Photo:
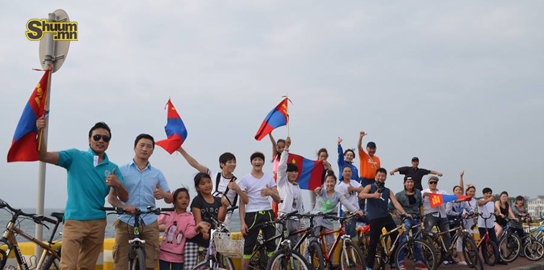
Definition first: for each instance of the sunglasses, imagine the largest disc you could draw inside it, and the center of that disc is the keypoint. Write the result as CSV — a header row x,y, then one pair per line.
x,y
433,183
97,138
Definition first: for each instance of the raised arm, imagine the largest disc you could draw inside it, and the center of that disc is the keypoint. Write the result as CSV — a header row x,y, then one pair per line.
x,y
360,141
282,168
394,171
274,146
44,156
461,183
199,167
437,173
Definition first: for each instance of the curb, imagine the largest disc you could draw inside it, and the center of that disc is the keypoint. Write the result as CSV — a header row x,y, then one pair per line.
x,y
534,266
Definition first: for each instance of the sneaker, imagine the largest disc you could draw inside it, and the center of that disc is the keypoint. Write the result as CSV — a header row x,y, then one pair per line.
x,y
449,263
462,263
421,266
369,268
402,266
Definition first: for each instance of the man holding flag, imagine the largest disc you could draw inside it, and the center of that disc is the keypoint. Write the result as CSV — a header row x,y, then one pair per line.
x,y
437,214
91,176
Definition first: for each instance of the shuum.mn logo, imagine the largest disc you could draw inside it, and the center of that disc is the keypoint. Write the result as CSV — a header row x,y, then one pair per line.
x,y
61,30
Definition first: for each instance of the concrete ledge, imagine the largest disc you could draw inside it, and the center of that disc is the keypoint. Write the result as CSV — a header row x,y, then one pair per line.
x,y
534,266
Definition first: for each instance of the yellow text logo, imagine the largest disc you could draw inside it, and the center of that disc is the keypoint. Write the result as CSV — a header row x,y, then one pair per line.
x,y
61,30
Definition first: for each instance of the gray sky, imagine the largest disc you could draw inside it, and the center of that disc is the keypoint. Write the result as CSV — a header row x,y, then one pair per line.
x,y
458,84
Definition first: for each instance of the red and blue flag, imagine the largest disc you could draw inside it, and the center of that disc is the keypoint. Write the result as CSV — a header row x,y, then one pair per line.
x,y
24,146
439,199
175,131
276,118
310,173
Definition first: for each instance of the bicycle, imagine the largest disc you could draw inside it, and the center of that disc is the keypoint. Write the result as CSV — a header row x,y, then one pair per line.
x,y
444,252
489,249
213,258
532,248
351,257
50,256
287,255
509,244
412,249
136,256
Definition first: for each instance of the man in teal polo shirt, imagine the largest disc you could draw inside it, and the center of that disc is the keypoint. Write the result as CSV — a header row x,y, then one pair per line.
x,y
91,176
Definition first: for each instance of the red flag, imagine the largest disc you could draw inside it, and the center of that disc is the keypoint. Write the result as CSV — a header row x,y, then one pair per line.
x,y
277,117
175,131
436,199
24,146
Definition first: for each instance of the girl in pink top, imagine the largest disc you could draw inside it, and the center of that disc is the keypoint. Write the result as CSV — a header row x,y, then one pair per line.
x,y
177,227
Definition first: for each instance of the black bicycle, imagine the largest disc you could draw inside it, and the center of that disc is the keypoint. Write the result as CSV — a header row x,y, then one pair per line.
x,y
50,255
136,256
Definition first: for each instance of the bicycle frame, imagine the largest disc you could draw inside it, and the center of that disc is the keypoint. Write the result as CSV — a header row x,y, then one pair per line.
x,y
383,245
9,238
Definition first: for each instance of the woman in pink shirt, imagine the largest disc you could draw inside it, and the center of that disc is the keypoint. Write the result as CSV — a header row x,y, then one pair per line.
x,y
177,227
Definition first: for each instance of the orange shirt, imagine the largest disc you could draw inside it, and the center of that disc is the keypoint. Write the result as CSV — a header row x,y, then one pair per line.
x,y
369,165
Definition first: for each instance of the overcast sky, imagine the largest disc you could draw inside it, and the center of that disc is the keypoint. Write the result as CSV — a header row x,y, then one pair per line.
x,y
457,83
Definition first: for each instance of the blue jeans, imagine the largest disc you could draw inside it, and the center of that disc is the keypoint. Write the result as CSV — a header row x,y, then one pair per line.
x,y
409,223
164,265
350,227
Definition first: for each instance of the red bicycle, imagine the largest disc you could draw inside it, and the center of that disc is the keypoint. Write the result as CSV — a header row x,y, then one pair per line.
x,y
351,257
489,249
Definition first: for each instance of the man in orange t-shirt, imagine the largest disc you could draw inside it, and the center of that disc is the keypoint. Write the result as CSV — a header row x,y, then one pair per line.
x,y
369,164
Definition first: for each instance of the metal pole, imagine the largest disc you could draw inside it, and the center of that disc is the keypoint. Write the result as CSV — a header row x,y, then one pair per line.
x,y
50,49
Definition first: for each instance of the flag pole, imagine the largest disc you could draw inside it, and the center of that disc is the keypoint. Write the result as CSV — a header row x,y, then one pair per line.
x,y
40,198
287,111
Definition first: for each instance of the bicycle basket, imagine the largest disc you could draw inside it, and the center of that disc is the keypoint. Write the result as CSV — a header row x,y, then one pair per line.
x,y
229,245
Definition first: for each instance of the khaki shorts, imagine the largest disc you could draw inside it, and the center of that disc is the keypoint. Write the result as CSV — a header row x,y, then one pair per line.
x,y
82,243
121,248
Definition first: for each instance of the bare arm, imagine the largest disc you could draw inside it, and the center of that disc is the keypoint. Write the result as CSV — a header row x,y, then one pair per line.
x,y
275,194
461,181
197,214
44,156
274,147
113,199
242,212
360,141
199,167
396,203
364,194
223,210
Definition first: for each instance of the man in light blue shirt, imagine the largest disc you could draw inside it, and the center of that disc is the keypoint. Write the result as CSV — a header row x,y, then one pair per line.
x,y
145,184
91,176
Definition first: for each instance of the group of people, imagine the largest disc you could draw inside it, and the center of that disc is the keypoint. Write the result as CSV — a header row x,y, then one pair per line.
x,y
92,178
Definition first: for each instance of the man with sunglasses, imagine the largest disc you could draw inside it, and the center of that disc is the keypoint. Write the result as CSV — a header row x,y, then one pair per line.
x,y
145,184
436,215
91,176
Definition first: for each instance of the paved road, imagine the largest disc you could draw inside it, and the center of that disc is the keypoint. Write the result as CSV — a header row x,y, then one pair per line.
x,y
516,263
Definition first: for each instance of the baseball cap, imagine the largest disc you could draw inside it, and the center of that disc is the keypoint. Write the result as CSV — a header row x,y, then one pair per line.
x,y
434,178
371,144
406,178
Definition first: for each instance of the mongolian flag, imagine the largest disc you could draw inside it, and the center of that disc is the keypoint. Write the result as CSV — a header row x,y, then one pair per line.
x,y
439,199
310,173
276,118
24,146
175,131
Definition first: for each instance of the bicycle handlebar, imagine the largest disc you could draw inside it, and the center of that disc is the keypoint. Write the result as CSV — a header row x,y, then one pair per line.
x,y
150,210
38,219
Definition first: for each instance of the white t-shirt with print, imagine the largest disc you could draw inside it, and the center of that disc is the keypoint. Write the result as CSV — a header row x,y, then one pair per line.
x,y
223,183
486,210
252,186
352,197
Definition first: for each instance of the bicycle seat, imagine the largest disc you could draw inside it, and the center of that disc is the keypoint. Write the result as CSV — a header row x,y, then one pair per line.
x,y
364,229
58,215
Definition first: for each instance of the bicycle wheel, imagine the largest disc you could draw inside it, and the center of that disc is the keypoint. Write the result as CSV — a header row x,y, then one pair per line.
x,y
203,265
316,256
534,250
138,262
490,252
411,259
435,242
470,252
51,261
351,257
285,259
509,247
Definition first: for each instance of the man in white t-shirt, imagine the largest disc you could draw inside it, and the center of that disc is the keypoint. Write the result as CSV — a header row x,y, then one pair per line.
x,y
487,209
259,188
436,215
350,189
224,181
